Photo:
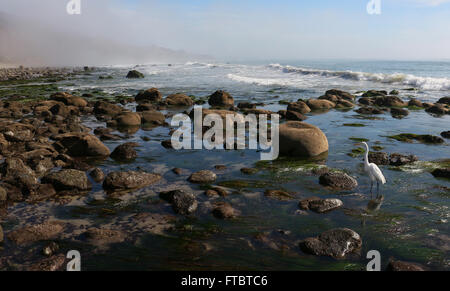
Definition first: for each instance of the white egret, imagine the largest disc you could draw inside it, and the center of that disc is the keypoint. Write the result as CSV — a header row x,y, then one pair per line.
x,y
373,172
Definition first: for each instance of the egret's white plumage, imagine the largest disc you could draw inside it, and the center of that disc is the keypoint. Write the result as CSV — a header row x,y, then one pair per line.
x,y
372,170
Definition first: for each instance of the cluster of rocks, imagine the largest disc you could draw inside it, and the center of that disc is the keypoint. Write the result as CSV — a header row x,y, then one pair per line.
x,y
378,102
22,73
39,136
394,159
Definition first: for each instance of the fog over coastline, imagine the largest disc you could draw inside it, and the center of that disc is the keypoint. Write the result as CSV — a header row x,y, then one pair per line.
x,y
134,32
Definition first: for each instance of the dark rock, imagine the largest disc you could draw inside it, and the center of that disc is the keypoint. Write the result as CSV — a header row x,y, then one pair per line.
x,y
221,99
295,116
51,264
335,95
153,117
396,159
97,175
182,202
69,99
299,106
437,109
319,205
129,180
129,119
204,176
82,145
389,101
134,74
177,171
38,232
1,234
145,107
101,237
149,95
444,100
445,134
249,171
397,266
106,108
338,181
415,103
336,243
379,158
41,192
68,180
125,152
394,92
180,100
279,195
224,210
442,173
246,105
399,112
373,93
167,144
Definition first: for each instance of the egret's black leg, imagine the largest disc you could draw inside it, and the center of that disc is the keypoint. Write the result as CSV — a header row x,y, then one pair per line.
x,y
378,189
371,188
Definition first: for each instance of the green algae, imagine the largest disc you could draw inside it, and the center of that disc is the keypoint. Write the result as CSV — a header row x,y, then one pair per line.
x,y
423,138
358,139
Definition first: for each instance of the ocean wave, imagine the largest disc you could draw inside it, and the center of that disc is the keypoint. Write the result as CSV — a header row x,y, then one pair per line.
x,y
208,65
262,81
424,83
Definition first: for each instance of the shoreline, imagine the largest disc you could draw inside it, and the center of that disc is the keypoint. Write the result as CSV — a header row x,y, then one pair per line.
x,y
118,151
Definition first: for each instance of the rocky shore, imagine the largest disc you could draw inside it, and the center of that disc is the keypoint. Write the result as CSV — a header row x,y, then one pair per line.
x,y
48,154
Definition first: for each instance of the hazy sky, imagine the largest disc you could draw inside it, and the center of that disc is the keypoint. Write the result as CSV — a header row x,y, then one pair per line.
x,y
258,29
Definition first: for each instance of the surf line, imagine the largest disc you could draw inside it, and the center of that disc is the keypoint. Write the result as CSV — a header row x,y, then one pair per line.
x,y
216,134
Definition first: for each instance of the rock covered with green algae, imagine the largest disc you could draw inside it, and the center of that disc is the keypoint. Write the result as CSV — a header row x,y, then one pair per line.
x,y
335,243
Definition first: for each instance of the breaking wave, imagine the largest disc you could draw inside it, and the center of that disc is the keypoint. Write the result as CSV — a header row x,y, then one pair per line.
x,y
424,83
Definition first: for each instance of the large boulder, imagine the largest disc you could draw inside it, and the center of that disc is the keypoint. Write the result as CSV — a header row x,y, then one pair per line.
x,y
153,117
149,95
134,74
221,99
438,109
204,176
129,119
335,95
38,232
82,145
320,104
182,202
106,108
442,173
299,106
125,152
302,139
337,180
180,100
444,100
68,179
320,205
69,99
389,101
129,180
336,243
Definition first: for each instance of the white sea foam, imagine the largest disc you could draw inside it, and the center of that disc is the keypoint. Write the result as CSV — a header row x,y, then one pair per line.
x,y
424,83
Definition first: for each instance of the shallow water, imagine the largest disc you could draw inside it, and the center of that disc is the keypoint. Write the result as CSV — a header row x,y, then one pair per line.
x,y
411,224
